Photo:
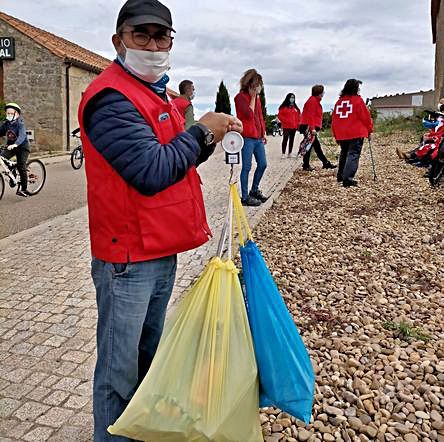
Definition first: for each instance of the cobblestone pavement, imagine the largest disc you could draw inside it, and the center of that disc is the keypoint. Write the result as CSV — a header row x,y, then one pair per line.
x,y
48,313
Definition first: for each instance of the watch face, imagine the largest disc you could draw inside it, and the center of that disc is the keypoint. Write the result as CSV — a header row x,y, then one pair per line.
x,y
209,138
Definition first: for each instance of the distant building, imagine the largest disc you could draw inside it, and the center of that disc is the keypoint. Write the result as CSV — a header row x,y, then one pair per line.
x,y
438,39
390,106
46,75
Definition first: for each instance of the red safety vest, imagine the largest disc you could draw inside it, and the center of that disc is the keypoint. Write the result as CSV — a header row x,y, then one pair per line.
x,y
181,103
125,225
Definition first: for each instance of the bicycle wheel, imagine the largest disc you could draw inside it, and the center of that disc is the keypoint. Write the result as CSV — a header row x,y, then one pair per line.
x,y
77,158
2,186
36,176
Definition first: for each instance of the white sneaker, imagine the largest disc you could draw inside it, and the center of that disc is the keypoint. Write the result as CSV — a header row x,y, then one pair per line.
x,y
283,156
290,155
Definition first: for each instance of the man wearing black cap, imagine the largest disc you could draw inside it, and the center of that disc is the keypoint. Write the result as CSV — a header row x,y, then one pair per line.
x,y
145,204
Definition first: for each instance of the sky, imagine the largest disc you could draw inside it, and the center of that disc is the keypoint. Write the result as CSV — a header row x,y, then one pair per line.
x,y
293,44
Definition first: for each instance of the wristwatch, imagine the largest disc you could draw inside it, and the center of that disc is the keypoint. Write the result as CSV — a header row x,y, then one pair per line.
x,y
208,135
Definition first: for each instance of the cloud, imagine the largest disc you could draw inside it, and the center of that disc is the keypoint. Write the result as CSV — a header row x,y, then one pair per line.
x,y
293,44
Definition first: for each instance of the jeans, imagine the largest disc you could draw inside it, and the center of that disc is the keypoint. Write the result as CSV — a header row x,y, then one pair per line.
x,y
252,146
288,135
22,155
316,146
349,158
132,300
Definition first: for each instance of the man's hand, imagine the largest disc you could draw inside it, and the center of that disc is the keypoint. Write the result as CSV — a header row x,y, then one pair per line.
x,y
264,140
12,146
220,124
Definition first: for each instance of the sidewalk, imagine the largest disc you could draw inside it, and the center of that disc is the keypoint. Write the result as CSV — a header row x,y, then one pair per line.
x,y
48,313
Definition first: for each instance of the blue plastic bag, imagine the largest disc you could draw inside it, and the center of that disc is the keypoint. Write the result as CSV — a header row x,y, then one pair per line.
x,y
286,376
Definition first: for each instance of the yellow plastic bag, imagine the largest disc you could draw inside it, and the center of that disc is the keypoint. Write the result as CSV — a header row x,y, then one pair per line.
x,y
202,384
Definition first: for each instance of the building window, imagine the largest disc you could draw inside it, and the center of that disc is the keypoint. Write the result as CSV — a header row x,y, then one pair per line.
x,y
416,100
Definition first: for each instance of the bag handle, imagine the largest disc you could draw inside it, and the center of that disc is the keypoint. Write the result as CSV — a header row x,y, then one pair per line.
x,y
227,231
241,218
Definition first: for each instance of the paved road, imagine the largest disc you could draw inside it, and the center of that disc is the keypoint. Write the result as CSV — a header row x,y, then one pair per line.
x,y
64,191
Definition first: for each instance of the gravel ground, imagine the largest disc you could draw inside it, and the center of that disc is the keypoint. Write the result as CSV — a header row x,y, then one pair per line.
x,y
361,270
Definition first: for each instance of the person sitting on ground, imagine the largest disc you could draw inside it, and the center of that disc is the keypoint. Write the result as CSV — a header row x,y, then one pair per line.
x,y
311,124
16,143
183,102
350,124
289,115
426,152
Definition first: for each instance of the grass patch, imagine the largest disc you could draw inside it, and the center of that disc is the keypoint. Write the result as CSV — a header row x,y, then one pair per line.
x,y
406,331
389,126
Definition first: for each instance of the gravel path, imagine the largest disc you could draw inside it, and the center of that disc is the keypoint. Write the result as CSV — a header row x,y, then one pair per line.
x,y
360,269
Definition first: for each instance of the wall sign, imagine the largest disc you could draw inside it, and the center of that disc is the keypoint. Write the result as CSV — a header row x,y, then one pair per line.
x,y
7,48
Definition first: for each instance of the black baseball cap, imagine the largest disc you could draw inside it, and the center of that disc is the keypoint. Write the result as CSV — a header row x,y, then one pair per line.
x,y
139,12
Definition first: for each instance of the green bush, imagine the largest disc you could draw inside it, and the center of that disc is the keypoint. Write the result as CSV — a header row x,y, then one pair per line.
x,y
326,120
269,123
413,123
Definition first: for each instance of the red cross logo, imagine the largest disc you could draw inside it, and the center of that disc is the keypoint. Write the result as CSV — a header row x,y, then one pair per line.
x,y
345,109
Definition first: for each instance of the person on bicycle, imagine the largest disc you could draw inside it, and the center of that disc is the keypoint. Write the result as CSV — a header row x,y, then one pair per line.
x,y
16,143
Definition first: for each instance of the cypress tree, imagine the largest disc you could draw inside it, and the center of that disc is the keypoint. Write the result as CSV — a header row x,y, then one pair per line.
x,y
223,100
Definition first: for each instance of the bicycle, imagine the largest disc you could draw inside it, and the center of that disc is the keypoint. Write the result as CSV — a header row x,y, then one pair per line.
x,y
276,128
36,175
77,153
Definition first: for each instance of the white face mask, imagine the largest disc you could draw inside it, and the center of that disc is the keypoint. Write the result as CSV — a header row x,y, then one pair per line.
x,y
147,65
192,96
291,100
10,117
258,89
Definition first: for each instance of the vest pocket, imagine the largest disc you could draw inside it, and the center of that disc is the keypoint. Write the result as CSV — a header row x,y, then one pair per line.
x,y
170,229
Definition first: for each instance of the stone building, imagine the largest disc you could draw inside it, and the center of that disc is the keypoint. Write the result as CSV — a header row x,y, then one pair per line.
x,y
405,105
438,39
46,75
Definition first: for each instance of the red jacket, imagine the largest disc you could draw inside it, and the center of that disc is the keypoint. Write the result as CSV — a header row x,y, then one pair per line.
x,y
312,112
181,104
125,225
289,117
254,124
351,118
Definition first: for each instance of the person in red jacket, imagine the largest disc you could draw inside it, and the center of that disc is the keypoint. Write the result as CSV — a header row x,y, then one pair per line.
x,y
249,111
145,202
351,123
289,115
184,102
311,124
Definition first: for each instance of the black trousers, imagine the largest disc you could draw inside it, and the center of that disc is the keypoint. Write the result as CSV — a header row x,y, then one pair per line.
x,y
316,146
22,158
288,136
349,158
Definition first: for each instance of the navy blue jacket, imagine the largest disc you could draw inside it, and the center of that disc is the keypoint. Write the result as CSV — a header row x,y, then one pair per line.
x,y
15,133
119,132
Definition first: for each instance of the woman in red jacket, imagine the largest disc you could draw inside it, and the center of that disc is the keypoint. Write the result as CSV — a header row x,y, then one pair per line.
x,y
311,124
249,111
289,116
351,123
